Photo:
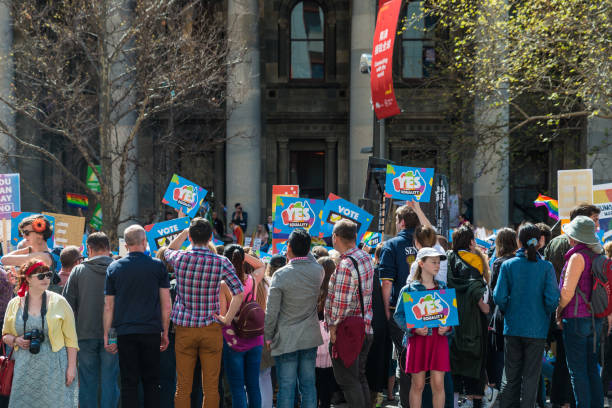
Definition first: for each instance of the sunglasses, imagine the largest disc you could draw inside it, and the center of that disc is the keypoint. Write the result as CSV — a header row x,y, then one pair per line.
x,y
43,275
25,233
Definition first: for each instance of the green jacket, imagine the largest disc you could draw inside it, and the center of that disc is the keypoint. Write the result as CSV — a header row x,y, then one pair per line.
x,y
555,253
468,347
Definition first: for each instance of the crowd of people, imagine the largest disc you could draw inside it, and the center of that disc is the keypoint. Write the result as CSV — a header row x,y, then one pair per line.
x,y
215,326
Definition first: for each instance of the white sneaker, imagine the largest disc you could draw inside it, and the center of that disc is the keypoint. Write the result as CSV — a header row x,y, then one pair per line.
x,y
490,397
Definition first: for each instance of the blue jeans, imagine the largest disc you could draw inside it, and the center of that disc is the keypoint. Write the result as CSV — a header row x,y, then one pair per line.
x,y
97,368
296,366
242,368
582,360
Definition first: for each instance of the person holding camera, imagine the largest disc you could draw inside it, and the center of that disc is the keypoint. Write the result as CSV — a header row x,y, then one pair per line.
x,y
39,325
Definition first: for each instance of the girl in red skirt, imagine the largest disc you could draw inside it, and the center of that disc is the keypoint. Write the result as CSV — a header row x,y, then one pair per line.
x,y
427,348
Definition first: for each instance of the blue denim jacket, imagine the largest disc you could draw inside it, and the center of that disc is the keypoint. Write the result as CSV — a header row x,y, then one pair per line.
x,y
527,293
400,314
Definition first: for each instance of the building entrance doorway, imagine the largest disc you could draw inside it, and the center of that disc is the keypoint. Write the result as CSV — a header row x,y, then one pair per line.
x,y
307,169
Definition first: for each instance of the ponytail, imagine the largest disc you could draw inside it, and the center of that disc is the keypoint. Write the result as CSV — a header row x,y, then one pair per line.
x,y
235,254
529,235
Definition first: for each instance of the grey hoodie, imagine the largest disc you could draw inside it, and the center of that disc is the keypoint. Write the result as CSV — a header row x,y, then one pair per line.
x,y
84,291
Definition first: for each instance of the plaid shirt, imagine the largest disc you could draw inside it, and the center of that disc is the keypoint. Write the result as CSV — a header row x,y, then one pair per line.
x,y
343,295
199,273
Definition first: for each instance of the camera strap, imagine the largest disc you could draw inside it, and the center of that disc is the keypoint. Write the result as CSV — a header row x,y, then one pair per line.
x,y
43,310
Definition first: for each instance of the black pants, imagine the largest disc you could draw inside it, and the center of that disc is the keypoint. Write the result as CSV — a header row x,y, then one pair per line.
x,y
397,337
352,380
522,368
139,360
561,387
326,386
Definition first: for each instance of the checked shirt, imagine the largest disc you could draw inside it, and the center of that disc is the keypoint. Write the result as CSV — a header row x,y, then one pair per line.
x,y
199,273
343,295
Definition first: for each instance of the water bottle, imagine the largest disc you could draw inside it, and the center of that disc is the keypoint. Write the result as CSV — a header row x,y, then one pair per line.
x,y
112,336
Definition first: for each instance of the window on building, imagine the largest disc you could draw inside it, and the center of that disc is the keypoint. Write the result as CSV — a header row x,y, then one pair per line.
x,y
308,171
418,52
307,41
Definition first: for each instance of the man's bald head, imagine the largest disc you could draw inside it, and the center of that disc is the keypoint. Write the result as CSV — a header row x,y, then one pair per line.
x,y
134,235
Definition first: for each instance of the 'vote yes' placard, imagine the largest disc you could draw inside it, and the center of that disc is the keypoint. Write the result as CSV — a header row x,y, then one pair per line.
x,y
337,209
185,195
162,233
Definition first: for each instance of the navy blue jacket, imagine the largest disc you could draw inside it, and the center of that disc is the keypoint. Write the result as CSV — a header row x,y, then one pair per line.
x,y
397,255
527,293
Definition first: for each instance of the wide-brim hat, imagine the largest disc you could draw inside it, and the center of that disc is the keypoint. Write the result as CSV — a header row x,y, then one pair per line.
x,y
582,229
429,252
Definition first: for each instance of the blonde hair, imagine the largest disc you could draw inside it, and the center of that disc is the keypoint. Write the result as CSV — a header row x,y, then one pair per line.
x,y
608,249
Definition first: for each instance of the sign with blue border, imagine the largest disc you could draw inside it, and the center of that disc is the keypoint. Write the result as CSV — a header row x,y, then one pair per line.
x,y
430,308
294,212
17,217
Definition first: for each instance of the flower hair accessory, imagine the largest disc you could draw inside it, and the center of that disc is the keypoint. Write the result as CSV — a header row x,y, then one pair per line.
x,y
24,286
532,242
39,225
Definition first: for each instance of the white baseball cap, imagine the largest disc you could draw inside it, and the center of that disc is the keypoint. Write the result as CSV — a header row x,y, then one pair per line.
x,y
429,252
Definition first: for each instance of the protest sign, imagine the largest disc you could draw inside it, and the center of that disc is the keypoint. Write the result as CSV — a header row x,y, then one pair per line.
x,y
371,239
10,197
185,195
96,219
5,235
247,241
279,246
430,308
17,217
162,233
92,180
442,205
283,191
68,229
337,209
409,183
574,187
381,78
256,244
293,212
77,200
605,230
265,257
123,251
602,198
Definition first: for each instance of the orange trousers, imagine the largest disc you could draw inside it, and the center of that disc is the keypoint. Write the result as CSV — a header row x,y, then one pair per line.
x,y
191,343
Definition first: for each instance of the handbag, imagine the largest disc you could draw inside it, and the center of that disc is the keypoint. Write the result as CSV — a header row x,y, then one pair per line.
x,y
350,333
7,365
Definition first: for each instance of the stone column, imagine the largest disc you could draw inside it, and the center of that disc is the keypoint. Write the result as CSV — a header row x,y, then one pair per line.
x,y
599,137
491,126
7,117
120,134
283,161
243,158
330,167
363,21
219,178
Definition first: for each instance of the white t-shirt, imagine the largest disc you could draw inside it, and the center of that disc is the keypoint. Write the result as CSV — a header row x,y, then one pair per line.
x,y
440,276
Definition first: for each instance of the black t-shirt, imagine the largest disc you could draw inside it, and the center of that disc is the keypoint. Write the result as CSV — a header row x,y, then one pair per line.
x,y
135,282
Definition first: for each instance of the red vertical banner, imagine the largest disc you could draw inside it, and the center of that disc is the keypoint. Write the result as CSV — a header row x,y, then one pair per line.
x,y
381,77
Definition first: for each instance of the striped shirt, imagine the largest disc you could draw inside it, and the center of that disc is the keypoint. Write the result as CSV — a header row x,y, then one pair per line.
x,y
199,273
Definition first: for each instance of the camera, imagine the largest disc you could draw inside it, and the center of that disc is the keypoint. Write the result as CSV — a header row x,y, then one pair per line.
x,y
36,337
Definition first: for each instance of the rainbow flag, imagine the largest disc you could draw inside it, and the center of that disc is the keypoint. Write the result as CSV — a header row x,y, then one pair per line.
x,y
551,204
77,200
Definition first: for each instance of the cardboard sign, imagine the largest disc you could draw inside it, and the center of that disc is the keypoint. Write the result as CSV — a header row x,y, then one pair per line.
x,y
409,183
162,233
574,187
184,194
10,197
381,77
17,217
430,308
68,229
293,213
336,209
92,180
